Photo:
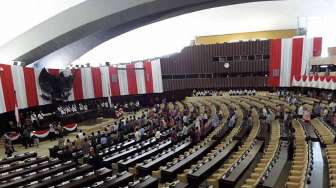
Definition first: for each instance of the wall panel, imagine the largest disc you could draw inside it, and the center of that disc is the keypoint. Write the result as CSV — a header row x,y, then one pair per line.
x,y
198,60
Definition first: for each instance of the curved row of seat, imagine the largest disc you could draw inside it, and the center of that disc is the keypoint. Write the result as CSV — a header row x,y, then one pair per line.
x,y
246,147
235,157
259,105
277,101
178,164
183,176
325,134
266,161
201,170
330,151
297,175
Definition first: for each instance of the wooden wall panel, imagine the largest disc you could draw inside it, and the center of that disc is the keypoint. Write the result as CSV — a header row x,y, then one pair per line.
x,y
198,60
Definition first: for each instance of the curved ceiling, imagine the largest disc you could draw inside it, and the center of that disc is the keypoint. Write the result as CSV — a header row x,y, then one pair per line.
x,y
28,13
171,35
75,31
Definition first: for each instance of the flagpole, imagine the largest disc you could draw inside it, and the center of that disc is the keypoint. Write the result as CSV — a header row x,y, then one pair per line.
x,y
16,111
109,90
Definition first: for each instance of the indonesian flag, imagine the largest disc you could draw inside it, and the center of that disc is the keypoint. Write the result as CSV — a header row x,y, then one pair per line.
x,y
109,99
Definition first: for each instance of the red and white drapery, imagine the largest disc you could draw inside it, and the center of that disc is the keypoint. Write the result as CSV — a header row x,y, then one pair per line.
x,y
45,133
70,127
12,135
290,58
20,84
322,82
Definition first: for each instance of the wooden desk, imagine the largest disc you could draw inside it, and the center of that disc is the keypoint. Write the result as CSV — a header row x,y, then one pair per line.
x,y
278,168
38,175
17,157
25,163
310,131
150,182
146,169
125,153
54,180
170,173
239,170
116,148
29,169
117,181
123,165
243,132
221,133
88,179
206,169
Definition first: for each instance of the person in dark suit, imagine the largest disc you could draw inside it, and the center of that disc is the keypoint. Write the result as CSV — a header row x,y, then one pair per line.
x,y
67,154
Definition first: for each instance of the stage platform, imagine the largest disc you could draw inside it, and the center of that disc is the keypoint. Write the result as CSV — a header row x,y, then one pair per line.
x,y
87,127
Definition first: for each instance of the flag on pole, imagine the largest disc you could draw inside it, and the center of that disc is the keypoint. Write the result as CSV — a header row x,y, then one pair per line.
x,y
16,110
109,96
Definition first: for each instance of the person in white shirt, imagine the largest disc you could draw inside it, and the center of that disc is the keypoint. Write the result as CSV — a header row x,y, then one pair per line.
x,y
197,122
253,92
81,107
114,127
157,134
80,134
332,106
74,108
300,111
137,135
63,112
68,110
264,112
185,119
40,116
33,117
85,107
52,131
205,116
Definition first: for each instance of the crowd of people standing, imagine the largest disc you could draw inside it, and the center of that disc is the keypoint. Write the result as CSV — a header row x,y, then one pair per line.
x,y
148,124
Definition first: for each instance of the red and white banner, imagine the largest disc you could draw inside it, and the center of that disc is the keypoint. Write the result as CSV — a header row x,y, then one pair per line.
x,y
322,82
20,84
290,58
70,127
40,133
12,135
